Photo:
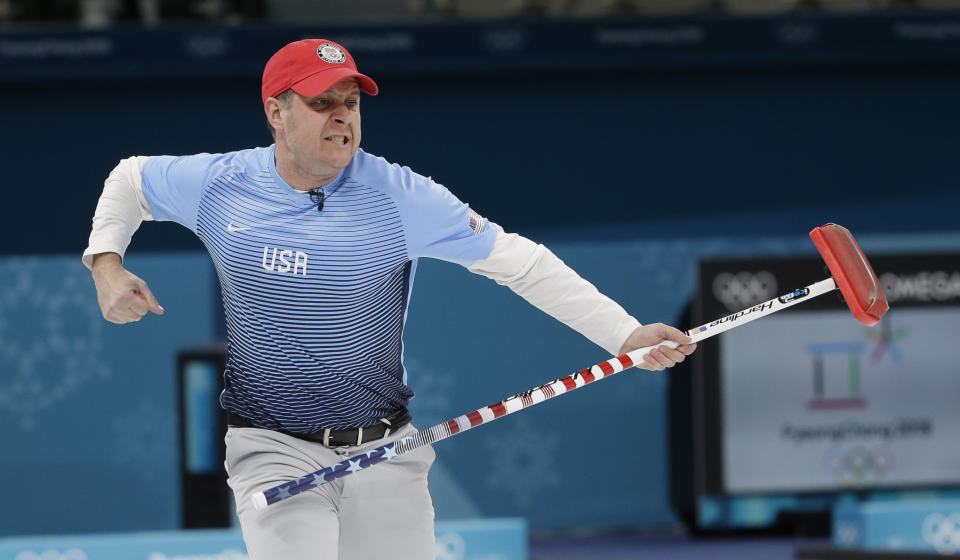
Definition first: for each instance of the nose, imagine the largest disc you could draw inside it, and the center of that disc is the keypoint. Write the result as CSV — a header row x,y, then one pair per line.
x,y
341,113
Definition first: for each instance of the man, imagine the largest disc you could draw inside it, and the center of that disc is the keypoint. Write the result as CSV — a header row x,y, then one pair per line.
x,y
316,243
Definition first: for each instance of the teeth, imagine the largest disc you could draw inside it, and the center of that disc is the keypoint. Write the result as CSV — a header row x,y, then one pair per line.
x,y
339,139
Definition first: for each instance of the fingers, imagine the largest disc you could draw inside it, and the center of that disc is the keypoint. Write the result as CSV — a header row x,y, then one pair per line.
x,y
152,303
138,307
663,357
671,333
122,316
137,303
124,298
126,310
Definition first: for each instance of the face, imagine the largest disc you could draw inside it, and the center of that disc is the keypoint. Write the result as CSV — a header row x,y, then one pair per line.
x,y
318,136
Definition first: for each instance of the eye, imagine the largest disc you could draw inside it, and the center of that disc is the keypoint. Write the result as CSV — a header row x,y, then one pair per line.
x,y
353,103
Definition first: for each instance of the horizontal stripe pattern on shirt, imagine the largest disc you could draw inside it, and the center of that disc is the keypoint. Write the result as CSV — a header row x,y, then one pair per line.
x,y
314,301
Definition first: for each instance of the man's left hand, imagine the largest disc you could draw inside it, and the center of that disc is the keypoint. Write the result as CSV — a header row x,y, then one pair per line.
x,y
661,357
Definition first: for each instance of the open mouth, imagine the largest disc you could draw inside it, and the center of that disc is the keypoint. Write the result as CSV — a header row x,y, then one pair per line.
x,y
338,139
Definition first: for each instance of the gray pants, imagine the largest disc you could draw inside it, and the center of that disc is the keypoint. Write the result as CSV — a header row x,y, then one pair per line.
x,y
384,511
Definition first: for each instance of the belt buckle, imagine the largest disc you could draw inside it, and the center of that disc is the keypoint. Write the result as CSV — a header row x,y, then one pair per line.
x,y
326,439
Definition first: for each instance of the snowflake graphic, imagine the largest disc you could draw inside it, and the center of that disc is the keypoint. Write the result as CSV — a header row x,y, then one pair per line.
x,y
847,534
51,335
450,546
526,465
148,448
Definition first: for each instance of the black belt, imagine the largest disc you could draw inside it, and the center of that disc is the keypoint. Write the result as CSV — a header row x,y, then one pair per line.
x,y
339,438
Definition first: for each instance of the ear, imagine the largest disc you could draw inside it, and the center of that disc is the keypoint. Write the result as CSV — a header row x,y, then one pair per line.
x,y
272,108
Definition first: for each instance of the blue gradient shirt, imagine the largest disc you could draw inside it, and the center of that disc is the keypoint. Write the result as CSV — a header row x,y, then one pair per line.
x,y
315,302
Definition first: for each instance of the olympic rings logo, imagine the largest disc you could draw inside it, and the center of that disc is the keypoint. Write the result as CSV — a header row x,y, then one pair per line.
x,y
744,289
857,464
942,532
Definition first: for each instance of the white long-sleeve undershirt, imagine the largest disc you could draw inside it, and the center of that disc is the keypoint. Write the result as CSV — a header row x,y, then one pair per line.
x,y
120,211
537,275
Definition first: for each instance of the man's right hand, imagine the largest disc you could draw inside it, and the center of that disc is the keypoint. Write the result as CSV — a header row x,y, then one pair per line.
x,y
123,297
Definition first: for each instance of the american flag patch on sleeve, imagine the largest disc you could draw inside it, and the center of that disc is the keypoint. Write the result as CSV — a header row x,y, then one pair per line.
x,y
476,222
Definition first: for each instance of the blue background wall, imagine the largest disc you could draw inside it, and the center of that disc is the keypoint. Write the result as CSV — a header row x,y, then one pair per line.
x,y
88,408
629,173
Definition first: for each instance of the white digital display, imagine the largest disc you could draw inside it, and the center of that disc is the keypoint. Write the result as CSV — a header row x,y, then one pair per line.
x,y
816,401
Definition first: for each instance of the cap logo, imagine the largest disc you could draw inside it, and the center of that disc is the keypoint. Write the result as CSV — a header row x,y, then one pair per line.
x,y
331,53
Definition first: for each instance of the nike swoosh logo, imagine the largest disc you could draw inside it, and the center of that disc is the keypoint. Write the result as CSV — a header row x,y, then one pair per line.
x,y
231,228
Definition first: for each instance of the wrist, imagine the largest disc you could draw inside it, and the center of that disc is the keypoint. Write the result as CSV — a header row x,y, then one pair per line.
x,y
105,261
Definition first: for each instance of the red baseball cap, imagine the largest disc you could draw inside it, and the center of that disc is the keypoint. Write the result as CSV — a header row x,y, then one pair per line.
x,y
309,67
